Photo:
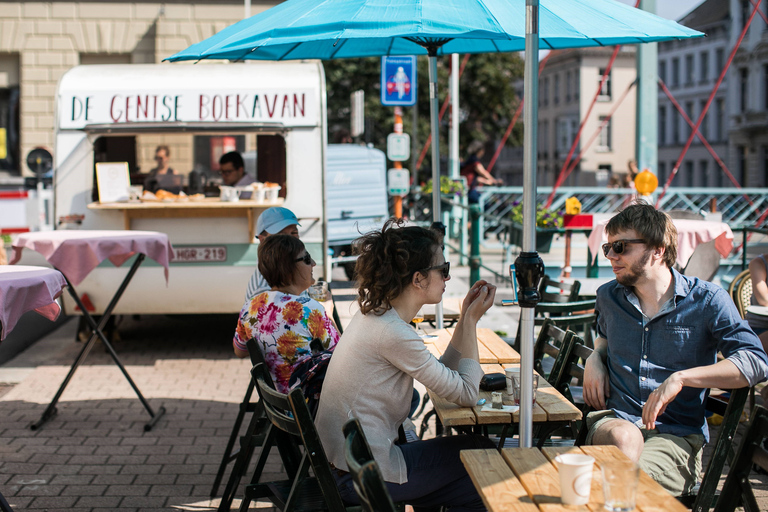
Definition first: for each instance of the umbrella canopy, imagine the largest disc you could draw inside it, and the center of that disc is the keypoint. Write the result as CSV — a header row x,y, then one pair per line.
x,y
337,29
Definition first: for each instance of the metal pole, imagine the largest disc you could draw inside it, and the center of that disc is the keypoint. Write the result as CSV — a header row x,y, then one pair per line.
x,y
247,5
433,109
454,167
530,119
647,110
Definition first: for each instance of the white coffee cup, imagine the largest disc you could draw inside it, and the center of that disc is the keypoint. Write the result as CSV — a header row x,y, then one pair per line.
x,y
575,478
511,374
229,194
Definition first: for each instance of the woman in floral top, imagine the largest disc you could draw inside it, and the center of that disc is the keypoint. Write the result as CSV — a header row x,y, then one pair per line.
x,y
287,326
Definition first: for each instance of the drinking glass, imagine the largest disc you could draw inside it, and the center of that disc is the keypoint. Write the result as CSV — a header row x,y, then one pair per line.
x,y
417,320
620,485
318,291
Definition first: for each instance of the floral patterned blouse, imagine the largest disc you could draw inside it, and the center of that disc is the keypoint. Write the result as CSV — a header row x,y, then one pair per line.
x,y
284,325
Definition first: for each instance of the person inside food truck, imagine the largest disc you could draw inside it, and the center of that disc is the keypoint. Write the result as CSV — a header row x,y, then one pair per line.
x,y
232,170
162,176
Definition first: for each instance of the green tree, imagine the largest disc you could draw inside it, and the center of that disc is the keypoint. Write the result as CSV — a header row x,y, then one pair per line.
x,y
486,90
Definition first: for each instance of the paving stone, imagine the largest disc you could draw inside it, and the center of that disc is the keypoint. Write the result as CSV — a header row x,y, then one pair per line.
x,y
153,502
98,501
127,490
152,450
84,490
40,490
171,490
140,469
48,458
21,467
159,479
100,470
48,502
60,469
114,479
128,459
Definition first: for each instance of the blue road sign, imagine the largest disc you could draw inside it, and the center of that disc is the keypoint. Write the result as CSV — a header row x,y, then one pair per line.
x,y
398,81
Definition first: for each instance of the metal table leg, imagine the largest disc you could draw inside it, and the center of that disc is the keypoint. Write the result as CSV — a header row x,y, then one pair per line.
x,y
50,411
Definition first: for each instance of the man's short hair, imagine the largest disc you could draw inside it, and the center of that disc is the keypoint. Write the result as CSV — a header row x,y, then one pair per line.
x,y
234,158
653,226
277,259
164,148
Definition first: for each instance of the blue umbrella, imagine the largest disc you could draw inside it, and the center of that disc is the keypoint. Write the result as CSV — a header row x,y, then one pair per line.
x,y
336,29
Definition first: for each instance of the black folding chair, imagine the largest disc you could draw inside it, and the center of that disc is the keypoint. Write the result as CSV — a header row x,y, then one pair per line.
x,y
293,432
254,437
369,484
737,488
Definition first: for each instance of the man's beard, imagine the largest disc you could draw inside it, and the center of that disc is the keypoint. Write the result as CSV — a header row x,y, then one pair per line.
x,y
633,274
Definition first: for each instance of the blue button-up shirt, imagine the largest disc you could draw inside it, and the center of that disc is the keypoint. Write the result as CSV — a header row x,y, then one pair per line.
x,y
688,332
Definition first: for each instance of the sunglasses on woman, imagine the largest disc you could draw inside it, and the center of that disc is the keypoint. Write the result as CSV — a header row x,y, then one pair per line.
x,y
619,245
306,258
445,268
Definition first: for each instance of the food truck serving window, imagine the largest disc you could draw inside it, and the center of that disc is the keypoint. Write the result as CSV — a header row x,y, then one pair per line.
x,y
191,161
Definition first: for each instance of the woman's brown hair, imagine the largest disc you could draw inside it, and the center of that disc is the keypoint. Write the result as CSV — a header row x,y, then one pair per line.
x,y
277,259
387,261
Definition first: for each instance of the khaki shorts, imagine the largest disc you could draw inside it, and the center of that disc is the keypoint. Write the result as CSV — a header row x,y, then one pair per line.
x,y
672,461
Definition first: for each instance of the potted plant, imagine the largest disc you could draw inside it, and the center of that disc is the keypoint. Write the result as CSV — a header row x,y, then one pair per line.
x,y
547,224
450,190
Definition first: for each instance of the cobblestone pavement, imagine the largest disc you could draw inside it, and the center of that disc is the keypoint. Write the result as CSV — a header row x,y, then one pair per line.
x,y
94,454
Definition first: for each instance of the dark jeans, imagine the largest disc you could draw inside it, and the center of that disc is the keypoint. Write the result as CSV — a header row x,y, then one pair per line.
x,y
436,476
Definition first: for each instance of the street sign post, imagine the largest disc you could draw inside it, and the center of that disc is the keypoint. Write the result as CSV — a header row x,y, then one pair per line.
x,y
398,81
398,147
398,182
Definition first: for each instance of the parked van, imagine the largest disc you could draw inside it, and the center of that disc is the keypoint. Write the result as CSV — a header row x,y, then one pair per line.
x,y
356,197
121,113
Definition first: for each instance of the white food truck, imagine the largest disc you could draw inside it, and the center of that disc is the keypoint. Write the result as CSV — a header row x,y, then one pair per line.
x,y
121,113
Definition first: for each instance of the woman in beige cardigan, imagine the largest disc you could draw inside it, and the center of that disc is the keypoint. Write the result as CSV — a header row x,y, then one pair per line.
x,y
371,374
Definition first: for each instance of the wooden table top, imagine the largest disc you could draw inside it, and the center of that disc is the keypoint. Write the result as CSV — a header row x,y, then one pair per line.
x,y
526,479
495,355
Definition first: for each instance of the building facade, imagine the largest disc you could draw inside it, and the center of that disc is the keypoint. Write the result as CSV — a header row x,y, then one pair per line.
x,y
40,41
567,86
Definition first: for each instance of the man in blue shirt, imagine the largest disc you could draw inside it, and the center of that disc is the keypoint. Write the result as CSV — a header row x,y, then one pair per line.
x,y
659,333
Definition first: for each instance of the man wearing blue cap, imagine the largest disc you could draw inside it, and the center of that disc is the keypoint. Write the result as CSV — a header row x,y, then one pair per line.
x,y
272,221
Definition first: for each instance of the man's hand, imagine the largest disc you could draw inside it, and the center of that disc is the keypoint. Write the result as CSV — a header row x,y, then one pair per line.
x,y
596,384
660,398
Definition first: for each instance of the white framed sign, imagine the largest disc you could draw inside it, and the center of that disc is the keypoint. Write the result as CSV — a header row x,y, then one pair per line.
x,y
113,180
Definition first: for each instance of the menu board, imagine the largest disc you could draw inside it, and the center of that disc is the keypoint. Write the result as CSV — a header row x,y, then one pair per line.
x,y
113,181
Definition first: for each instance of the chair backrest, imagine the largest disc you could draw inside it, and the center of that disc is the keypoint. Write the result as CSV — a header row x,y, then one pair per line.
x,y
368,482
254,352
289,414
551,341
573,366
704,262
751,451
744,295
735,283
552,290
685,214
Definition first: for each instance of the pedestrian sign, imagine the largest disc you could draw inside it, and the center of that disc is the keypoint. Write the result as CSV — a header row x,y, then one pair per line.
x,y
398,147
398,182
398,81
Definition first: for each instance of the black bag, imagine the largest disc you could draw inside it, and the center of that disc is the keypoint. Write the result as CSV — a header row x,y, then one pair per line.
x,y
309,375
493,382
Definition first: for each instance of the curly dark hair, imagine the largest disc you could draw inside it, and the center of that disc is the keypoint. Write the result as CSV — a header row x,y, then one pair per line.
x,y
387,261
277,259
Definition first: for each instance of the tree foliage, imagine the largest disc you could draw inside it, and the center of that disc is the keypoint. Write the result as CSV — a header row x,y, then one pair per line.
x,y
486,91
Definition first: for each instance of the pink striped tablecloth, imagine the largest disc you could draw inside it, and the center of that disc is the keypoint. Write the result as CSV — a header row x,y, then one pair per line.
x,y
23,289
76,253
690,233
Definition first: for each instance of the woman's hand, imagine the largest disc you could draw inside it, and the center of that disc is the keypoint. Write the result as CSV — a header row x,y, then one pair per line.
x,y
479,299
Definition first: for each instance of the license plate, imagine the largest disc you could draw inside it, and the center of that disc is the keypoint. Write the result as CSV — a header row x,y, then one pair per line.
x,y
199,253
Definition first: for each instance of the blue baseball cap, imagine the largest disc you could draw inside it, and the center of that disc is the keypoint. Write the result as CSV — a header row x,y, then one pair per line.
x,y
274,220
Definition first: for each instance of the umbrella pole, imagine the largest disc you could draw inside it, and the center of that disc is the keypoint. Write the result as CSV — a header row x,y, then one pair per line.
x,y
434,124
529,264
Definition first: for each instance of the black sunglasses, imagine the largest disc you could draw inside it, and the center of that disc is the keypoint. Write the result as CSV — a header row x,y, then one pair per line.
x,y
445,268
306,258
618,245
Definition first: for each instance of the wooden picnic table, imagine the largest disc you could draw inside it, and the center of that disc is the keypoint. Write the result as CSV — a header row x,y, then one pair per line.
x,y
495,355
526,479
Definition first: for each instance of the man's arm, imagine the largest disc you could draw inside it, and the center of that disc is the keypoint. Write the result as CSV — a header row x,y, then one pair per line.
x,y
596,382
723,375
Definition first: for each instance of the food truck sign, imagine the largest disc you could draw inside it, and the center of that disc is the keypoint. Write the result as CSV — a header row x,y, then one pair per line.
x,y
297,107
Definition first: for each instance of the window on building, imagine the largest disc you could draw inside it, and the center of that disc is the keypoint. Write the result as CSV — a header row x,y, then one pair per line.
x,y
10,134
743,89
704,67
704,127
719,119
556,94
604,139
746,10
689,173
765,86
675,72
741,172
689,71
605,86
704,172
662,174
763,181
676,129
576,85
663,71
662,125
719,60
568,86
691,116
545,91
105,58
